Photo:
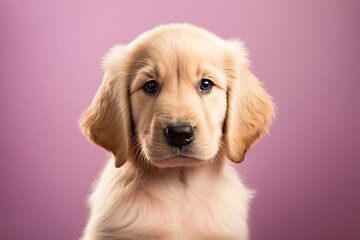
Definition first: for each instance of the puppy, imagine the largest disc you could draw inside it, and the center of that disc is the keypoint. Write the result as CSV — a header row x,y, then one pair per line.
x,y
174,107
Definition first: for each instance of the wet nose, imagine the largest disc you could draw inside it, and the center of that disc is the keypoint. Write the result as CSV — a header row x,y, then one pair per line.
x,y
179,134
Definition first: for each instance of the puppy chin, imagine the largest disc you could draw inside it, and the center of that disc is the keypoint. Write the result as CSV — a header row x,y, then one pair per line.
x,y
178,161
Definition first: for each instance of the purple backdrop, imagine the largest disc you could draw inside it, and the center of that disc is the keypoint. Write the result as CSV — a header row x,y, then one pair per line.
x,y
306,173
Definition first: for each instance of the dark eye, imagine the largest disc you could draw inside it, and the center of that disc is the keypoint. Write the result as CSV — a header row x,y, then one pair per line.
x,y
206,85
150,86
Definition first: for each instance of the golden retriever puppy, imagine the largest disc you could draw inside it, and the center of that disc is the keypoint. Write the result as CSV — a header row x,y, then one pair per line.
x,y
174,107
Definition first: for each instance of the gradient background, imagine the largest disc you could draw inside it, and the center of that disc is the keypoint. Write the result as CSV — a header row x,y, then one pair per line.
x,y
306,173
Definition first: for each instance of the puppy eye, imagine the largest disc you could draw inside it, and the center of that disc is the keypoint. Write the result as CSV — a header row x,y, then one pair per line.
x,y
206,85
150,86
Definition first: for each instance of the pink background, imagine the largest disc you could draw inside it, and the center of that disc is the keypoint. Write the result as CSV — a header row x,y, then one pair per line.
x,y
306,173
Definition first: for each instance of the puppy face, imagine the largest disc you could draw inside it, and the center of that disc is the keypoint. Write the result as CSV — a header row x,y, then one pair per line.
x,y
178,84
177,96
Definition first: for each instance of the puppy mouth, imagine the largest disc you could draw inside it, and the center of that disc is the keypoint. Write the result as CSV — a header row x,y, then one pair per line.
x,y
178,161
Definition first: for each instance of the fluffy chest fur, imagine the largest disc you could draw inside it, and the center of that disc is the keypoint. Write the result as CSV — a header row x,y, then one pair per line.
x,y
196,203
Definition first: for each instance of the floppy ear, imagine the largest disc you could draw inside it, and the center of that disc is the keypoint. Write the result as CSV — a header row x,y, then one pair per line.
x,y
106,122
250,108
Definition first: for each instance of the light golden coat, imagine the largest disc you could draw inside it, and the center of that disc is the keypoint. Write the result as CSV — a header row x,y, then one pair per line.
x,y
158,191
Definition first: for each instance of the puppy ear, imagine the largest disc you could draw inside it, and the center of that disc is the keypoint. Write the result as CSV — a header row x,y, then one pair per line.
x,y
106,122
249,110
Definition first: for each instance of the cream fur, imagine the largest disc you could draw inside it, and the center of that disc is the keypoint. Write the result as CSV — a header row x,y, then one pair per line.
x,y
162,192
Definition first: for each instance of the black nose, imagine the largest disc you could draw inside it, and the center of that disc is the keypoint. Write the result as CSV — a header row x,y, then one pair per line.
x,y
179,134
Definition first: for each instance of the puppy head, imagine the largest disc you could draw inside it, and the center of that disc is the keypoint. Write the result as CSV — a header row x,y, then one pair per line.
x,y
177,96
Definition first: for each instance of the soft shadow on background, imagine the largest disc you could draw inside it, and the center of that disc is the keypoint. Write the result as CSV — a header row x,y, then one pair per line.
x,y
306,172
